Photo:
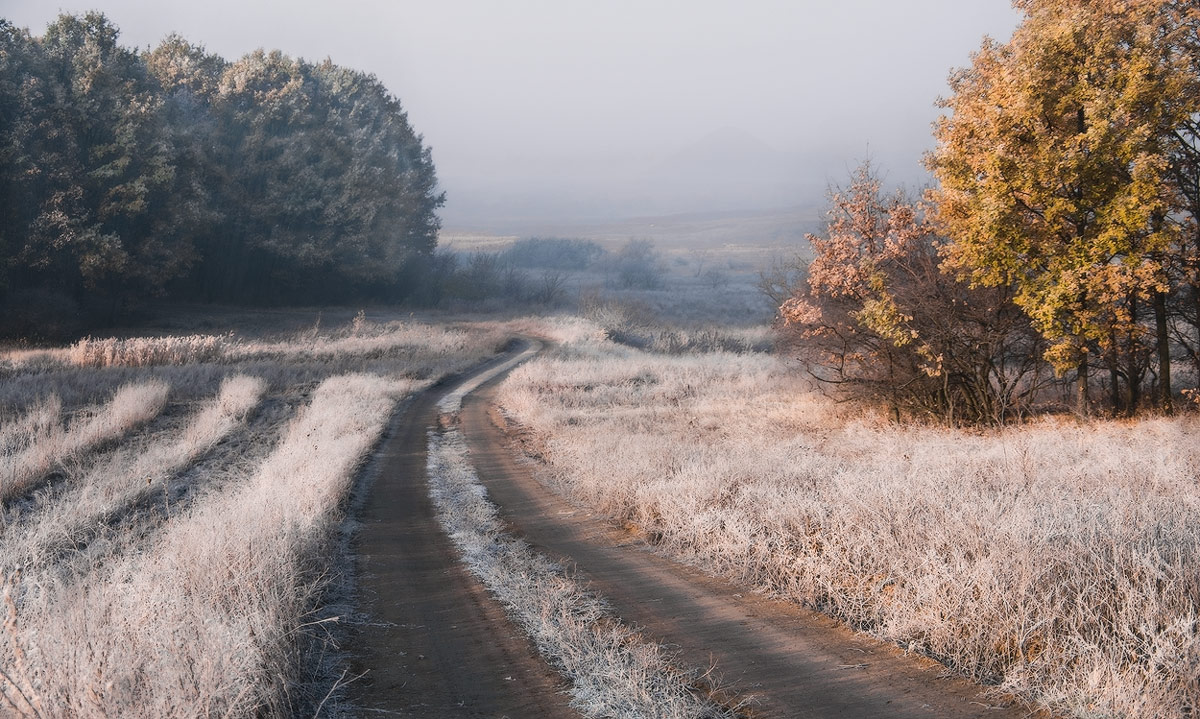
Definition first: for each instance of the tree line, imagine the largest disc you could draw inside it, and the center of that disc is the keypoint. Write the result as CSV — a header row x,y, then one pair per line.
x,y
1057,259
173,172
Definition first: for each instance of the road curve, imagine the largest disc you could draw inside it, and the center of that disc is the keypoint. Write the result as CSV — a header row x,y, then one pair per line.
x,y
434,643
796,663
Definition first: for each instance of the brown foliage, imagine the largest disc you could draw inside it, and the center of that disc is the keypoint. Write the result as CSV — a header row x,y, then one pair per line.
x,y
876,319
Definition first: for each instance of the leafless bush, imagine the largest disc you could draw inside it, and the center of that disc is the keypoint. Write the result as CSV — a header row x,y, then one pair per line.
x,y
636,265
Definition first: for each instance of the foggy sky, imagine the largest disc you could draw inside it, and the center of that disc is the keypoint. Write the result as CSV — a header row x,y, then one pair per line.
x,y
559,109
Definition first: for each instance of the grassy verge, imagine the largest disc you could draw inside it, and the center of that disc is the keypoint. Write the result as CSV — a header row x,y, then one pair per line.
x,y
1058,560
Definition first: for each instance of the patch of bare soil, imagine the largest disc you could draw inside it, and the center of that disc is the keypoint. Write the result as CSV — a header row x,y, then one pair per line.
x,y
434,643
796,663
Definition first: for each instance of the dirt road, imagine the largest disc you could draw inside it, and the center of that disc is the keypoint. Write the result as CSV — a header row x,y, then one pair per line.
x,y
437,645
797,663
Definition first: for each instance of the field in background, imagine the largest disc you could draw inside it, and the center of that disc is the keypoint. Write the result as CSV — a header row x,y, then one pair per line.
x,y
767,229
1058,560
171,509
711,264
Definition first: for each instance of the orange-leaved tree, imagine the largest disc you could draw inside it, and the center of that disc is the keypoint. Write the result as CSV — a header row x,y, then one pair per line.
x,y
875,319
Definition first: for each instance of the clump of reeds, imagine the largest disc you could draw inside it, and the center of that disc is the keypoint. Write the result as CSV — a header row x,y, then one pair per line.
x,y
147,351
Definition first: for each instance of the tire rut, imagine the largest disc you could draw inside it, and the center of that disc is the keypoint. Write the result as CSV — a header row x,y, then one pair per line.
x,y
434,643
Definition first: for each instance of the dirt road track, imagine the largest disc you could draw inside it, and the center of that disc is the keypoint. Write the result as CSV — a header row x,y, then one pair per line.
x,y
438,646
797,663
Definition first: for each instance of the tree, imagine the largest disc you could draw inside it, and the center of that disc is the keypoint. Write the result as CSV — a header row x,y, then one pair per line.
x,y
875,318
103,166
128,175
636,265
24,79
1052,172
330,180
1182,38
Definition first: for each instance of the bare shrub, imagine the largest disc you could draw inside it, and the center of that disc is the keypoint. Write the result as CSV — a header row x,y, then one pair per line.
x,y
553,253
636,265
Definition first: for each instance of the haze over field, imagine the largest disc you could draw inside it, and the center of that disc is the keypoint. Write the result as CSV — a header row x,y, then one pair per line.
x,y
541,112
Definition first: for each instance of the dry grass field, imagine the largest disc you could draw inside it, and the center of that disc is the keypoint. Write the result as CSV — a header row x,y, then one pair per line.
x,y
171,509
1057,560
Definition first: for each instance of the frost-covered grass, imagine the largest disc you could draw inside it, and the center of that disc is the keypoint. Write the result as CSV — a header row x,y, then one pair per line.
x,y
203,624
358,340
614,672
181,566
1059,560
147,351
60,521
38,442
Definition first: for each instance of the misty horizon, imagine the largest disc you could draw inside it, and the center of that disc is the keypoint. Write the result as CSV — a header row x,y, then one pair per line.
x,y
544,113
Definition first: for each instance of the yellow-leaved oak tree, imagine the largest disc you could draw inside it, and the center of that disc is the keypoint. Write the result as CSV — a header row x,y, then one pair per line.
x,y
1053,178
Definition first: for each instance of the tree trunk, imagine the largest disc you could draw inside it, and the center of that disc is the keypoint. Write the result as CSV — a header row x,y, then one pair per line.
x,y
1134,371
1112,358
1114,390
1164,351
1081,386
1196,307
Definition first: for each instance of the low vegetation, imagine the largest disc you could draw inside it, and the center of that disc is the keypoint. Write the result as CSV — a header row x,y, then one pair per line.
x,y
1057,560
177,564
98,489
37,443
